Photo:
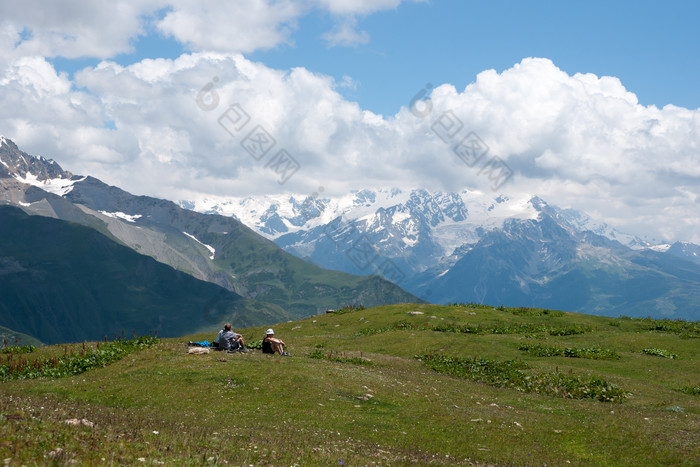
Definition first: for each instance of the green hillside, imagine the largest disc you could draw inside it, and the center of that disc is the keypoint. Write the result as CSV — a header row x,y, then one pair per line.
x,y
63,282
354,393
244,263
8,337
265,271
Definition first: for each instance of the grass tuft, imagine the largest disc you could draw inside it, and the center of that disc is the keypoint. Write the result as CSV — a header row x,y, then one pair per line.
x,y
514,328
594,353
685,329
340,357
659,352
87,359
14,349
692,390
507,374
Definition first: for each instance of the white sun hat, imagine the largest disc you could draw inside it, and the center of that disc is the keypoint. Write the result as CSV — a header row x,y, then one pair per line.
x,y
269,331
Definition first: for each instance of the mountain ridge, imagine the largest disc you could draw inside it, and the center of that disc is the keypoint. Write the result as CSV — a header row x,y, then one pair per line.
x,y
81,285
425,235
217,249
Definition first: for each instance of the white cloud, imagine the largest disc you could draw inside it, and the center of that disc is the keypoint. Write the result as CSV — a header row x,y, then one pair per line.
x,y
240,26
364,7
346,34
106,28
578,141
74,28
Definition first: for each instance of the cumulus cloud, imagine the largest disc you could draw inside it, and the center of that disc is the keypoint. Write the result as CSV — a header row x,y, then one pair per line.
x,y
580,141
242,26
74,28
106,28
585,142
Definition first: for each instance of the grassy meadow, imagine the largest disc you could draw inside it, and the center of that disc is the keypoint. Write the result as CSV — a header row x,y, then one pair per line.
x,y
393,385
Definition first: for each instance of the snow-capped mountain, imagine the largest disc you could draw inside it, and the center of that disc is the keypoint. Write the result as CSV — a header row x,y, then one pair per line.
x,y
36,171
685,250
526,251
417,228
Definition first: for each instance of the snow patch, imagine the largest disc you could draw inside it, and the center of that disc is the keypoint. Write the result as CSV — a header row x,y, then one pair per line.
x,y
122,216
400,216
25,204
660,248
410,241
57,186
208,247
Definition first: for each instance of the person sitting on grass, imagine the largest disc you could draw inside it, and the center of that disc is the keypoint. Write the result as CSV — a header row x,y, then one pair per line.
x,y
273,345
230,341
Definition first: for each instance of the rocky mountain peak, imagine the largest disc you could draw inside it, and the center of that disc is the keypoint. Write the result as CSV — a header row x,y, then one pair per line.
x,y
24,167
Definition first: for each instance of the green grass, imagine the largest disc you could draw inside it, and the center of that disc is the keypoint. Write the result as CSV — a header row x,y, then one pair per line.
x,y
163,405
340,357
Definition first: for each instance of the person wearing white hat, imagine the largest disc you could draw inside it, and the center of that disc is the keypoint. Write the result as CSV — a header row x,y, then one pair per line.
x,y
273,345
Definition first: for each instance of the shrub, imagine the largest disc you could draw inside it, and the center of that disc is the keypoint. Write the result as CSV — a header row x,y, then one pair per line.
x,y
400,325
503,328
595,352
19,349
317,353
507,328
685,329
659,352
468,305
524,311
692,390
347,309
67,365
255,344
507,374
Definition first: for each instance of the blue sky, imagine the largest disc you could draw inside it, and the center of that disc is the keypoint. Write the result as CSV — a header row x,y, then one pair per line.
x,y
653,49
590,105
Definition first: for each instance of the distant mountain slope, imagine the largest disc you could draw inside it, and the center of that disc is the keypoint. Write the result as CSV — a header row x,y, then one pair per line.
x,y
484,248
16,338
685,250
63,282
538,263
217,249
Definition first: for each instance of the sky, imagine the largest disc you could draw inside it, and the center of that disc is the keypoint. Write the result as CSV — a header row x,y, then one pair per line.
x,y
591,105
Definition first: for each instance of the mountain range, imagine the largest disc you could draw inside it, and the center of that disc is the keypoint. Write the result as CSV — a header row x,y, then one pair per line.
x,y
80,259
260,260
478,247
